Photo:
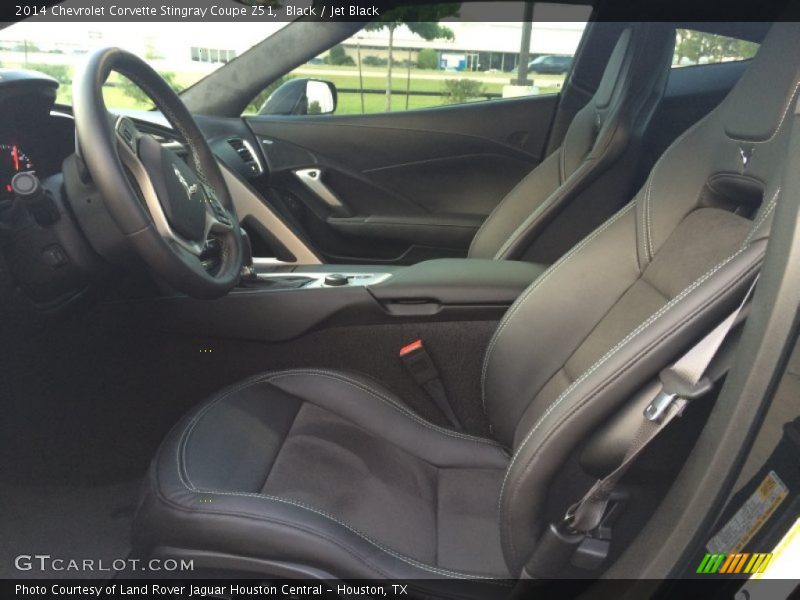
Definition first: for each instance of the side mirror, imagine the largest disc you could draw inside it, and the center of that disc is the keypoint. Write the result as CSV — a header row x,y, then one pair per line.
x,y
301,97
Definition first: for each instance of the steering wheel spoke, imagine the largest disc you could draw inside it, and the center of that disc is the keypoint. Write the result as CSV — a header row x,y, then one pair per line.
x,y
167,209
218,218
128,139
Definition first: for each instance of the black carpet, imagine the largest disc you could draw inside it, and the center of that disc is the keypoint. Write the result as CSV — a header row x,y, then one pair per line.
x,y
69,522
87,398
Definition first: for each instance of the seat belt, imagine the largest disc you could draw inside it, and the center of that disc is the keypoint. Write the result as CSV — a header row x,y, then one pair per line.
x,y
420,366
684,381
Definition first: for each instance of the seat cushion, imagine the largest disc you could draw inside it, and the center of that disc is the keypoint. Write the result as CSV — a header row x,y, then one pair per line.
x,y
332,471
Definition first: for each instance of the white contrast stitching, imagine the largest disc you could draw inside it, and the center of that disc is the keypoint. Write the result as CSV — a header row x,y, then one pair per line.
x,y
780,123
529,221
642,326
353,383
645,254
658,314
377,394
649,237
540,280
760,221
183,475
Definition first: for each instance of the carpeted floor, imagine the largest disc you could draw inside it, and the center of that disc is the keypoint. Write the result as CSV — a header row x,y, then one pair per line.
x,y
69,522
87,398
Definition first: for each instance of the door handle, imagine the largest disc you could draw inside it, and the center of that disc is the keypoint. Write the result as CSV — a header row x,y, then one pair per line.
x,y
312,179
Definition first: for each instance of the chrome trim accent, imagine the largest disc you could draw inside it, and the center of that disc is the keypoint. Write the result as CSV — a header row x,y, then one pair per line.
x,y
262,261
656,409
245,200
312,179
249,203
356,279
250,149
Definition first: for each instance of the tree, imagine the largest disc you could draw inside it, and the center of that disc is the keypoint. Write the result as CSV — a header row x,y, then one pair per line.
x,y
421,20
257,102
338,56
428,59
135,92
699,47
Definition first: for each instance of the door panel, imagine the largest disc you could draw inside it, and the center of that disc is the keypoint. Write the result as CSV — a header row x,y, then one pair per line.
x,y
406,186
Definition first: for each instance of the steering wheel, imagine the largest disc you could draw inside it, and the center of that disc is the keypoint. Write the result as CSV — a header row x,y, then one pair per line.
x,y
166,209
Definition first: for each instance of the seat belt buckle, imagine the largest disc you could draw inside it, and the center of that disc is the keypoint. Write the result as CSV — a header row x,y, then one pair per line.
x,y
418,362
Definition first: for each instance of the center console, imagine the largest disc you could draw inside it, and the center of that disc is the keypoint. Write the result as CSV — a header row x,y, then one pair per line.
x,y
277,302
314,279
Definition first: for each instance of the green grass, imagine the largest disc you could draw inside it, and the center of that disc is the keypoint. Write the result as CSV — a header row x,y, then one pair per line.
x,y
346,77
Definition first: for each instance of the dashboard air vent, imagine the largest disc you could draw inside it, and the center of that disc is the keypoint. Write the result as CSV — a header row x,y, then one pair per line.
x,y
246,153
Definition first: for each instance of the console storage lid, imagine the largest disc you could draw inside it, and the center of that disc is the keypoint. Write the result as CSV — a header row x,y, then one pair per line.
x,y
459,281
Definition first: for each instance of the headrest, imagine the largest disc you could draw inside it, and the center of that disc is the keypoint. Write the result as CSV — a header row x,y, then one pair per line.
x,y
760,101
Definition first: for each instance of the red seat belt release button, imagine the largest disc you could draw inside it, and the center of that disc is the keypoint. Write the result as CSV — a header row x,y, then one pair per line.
x,y
418,362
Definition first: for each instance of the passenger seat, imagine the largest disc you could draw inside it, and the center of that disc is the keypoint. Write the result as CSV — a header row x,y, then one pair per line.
x,y
595,170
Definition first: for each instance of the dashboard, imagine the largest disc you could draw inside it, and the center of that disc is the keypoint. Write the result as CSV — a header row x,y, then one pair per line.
x,y
38,149
63,244
33,137
60,244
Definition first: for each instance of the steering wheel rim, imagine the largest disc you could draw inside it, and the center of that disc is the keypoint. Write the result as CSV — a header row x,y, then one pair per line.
x,y
175,209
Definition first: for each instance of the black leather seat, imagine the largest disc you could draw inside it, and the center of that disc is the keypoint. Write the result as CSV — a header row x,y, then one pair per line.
x,y
594,170
327,472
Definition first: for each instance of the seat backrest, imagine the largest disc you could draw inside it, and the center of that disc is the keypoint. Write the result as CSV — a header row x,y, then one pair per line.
x,y
605,319
592,172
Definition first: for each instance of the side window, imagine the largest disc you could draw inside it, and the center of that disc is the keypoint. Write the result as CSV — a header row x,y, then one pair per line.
x,y
421,57
701,48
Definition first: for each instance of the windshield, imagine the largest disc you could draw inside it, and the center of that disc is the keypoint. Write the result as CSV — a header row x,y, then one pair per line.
x,y
182,53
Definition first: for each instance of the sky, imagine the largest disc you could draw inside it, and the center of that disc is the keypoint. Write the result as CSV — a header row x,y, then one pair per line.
x,y
172,40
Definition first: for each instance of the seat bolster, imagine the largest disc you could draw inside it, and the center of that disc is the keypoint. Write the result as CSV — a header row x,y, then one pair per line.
x,y
174,514
600,390
530,193
371,406
180,508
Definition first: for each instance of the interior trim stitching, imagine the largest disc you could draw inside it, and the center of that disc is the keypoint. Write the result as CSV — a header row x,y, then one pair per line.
x,y
386,399
174,121
629,337
488,220
291,525
621,372
649,230
645,256
586,374
760,221
185,480
572,184
780,123
539,281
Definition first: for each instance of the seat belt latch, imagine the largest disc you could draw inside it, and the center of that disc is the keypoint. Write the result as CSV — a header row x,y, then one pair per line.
x,y
656,409
420,365
418,362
